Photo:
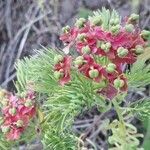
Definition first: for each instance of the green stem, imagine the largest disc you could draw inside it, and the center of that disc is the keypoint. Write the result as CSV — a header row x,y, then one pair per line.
x,y
118,110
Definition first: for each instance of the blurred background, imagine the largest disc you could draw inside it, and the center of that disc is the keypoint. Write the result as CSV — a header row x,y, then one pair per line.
x,y
25,25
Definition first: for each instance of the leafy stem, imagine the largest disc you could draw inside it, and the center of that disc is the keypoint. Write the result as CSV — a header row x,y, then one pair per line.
x,y
118,111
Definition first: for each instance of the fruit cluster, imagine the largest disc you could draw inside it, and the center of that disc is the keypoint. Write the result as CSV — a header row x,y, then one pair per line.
x,y
118,45
16,113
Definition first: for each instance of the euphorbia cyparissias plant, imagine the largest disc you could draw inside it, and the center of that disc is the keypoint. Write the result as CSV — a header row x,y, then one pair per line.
x,y
119,45
16,113
103,49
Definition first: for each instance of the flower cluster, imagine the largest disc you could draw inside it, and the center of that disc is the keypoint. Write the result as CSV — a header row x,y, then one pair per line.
x,y
62,68
16,113
118,44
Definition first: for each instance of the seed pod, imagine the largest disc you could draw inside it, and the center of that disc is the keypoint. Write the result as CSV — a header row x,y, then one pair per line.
x,y
80,22
78,62
66,29
129,27
96,20
93,73
111,68
111,22
58,59
122,52
4,101
118,83
19,123
115,29
81,37
134,17
98,44
5,129
139,49
86,50
103,46
12,111
112,65
58,75
145,34
28,103
108,45
116,21
106,50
